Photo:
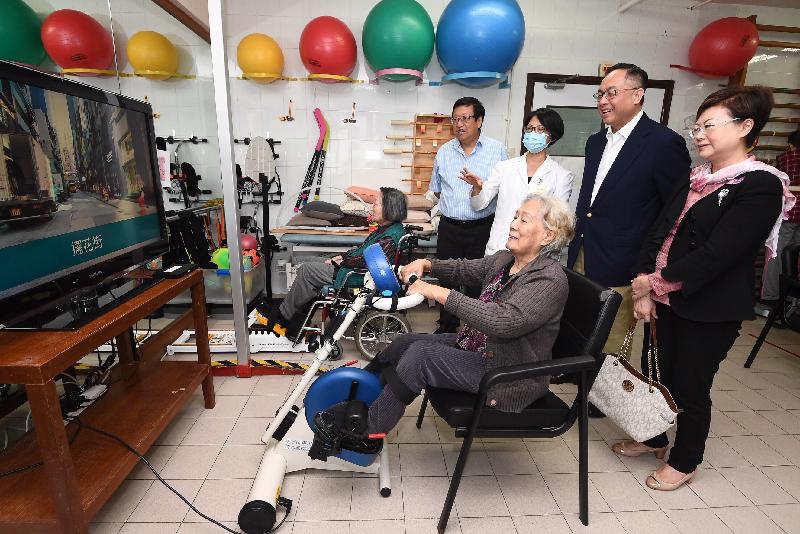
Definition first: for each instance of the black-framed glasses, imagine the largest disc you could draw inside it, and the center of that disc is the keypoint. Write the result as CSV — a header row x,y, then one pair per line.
x,y
697,129
538,129
465,119
612,93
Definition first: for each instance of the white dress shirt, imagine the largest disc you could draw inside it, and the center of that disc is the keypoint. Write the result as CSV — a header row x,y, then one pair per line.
x,y
508,181
614,143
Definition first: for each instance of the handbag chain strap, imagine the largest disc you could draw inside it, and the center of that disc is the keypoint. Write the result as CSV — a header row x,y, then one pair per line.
x,y
625,349
652,357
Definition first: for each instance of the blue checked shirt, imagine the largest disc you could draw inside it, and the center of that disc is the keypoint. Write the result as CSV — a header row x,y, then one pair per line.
x,y
454,192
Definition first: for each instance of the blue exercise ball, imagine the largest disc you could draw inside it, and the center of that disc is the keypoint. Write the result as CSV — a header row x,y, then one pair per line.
x,y
475,36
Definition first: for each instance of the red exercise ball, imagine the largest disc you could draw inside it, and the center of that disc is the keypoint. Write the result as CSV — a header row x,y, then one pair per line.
x,y
248,242
723,47
327,46
74,40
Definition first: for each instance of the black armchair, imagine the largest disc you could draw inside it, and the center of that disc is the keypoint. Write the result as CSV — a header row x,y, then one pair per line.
x,y
585,324
789,286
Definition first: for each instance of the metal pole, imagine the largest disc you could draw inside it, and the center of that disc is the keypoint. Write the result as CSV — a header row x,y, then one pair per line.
x,y
219,69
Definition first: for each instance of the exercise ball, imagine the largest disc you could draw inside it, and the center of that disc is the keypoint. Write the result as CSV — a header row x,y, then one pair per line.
x,y
259,54
327,46
20,37
397,34
723,47
152,55
74,40
247,242
476,36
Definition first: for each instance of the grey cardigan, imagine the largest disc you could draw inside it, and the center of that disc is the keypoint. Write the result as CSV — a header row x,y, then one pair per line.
x,y
521,324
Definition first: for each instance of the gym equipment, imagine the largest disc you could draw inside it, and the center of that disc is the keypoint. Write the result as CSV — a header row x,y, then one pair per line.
x,y
328,49
152,55
317,165
260,58
77,43
398,39
221,257
292,444
20,34
723,47
247,242
478,41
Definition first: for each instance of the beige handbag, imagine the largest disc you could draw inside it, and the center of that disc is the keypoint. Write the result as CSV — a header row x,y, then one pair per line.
x,y
639,405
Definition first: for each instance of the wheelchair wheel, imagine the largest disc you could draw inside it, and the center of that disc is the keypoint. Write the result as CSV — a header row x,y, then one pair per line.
x,y
377,330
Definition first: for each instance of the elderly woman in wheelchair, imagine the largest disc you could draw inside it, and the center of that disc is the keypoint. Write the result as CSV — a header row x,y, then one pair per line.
x,y
388,211
515,320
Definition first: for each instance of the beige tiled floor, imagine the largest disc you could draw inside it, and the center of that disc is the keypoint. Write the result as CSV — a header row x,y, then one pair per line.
x,y
748,483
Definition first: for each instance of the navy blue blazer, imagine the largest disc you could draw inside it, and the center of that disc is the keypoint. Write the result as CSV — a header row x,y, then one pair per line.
x,y
652,162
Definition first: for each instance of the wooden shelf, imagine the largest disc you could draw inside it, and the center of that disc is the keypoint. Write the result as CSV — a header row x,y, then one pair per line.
x,y
137,410
76,479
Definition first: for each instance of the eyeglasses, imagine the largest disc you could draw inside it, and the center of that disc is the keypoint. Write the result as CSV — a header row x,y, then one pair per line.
x,y
612,93
465,119
697,129
537,129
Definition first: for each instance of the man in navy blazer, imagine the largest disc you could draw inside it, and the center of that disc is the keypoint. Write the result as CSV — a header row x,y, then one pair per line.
x,y
631,169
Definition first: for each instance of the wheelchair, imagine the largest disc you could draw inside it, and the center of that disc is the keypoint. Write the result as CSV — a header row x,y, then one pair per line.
x,y
375,329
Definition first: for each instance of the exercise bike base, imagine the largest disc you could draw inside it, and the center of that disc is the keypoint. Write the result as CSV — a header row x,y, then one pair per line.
x,y
257,517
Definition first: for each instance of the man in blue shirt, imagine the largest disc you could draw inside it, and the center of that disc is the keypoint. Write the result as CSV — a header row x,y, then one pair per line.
x,y
464,232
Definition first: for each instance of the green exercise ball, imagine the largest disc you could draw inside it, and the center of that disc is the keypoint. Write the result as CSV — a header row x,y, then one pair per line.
x,y
398,34
20,33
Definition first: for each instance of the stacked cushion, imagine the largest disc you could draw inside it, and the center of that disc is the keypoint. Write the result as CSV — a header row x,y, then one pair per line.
x,y
319,209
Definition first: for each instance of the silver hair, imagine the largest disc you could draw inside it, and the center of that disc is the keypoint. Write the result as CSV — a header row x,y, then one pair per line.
x,y
558,218
395,207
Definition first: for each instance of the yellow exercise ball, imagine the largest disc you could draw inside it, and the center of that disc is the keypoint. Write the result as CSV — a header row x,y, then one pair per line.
x,y
259,54
152,55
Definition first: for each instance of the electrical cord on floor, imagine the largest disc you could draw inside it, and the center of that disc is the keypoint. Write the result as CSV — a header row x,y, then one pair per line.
x,y
37,464
133,451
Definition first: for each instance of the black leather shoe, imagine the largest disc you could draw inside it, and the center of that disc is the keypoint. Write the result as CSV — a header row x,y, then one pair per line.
x,y
594,412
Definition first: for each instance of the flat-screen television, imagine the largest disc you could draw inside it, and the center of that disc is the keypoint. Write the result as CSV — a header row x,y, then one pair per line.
x,y
80,198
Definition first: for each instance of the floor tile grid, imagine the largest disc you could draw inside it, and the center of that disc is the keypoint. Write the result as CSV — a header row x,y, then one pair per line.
x,y
768,364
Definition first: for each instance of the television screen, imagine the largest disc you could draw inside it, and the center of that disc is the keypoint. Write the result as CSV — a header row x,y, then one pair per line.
x,y
78,179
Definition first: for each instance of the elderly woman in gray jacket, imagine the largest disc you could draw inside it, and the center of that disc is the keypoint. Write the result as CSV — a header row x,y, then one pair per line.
x,y
515,320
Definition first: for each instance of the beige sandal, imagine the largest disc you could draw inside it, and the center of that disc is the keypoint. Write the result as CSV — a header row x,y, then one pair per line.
x,y
654,483
624,448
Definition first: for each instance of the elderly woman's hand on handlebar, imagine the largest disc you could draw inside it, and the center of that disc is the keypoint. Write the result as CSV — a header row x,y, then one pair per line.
x,y
429,291
416,267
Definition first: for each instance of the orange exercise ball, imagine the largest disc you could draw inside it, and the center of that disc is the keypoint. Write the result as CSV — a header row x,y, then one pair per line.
x,y
152,55
327,46
74,40
259,54
723,47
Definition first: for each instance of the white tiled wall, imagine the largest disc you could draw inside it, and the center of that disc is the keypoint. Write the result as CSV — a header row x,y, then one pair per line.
x,y
562,36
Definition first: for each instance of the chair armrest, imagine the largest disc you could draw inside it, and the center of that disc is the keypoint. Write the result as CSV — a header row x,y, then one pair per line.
x,y
513,373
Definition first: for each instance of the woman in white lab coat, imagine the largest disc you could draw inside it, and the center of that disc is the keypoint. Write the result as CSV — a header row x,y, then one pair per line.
x,y
513,179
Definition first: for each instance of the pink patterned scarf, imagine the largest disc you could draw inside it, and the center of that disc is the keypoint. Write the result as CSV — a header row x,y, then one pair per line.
x,y
702,176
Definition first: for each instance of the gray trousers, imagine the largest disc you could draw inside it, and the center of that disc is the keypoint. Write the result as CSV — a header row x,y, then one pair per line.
x,y
770,288
424,360
311,277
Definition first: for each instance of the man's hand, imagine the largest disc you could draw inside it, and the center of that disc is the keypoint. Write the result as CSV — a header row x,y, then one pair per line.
x,y
417,267
336,260
472,179
641,286
645,309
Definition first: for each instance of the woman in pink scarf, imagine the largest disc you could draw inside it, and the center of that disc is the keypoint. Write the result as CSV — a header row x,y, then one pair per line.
x,y
696,268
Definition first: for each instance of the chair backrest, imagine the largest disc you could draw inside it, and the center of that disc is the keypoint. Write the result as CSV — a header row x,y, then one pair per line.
x,y
789,258
587,319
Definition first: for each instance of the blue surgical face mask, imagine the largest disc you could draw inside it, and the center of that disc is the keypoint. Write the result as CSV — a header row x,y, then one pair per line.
x,y
534,142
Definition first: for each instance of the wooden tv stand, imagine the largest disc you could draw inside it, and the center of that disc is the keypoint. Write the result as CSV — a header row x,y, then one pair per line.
x,y
76,479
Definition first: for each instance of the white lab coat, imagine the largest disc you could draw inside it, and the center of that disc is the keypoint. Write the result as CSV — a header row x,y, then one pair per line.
x,y
509,182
